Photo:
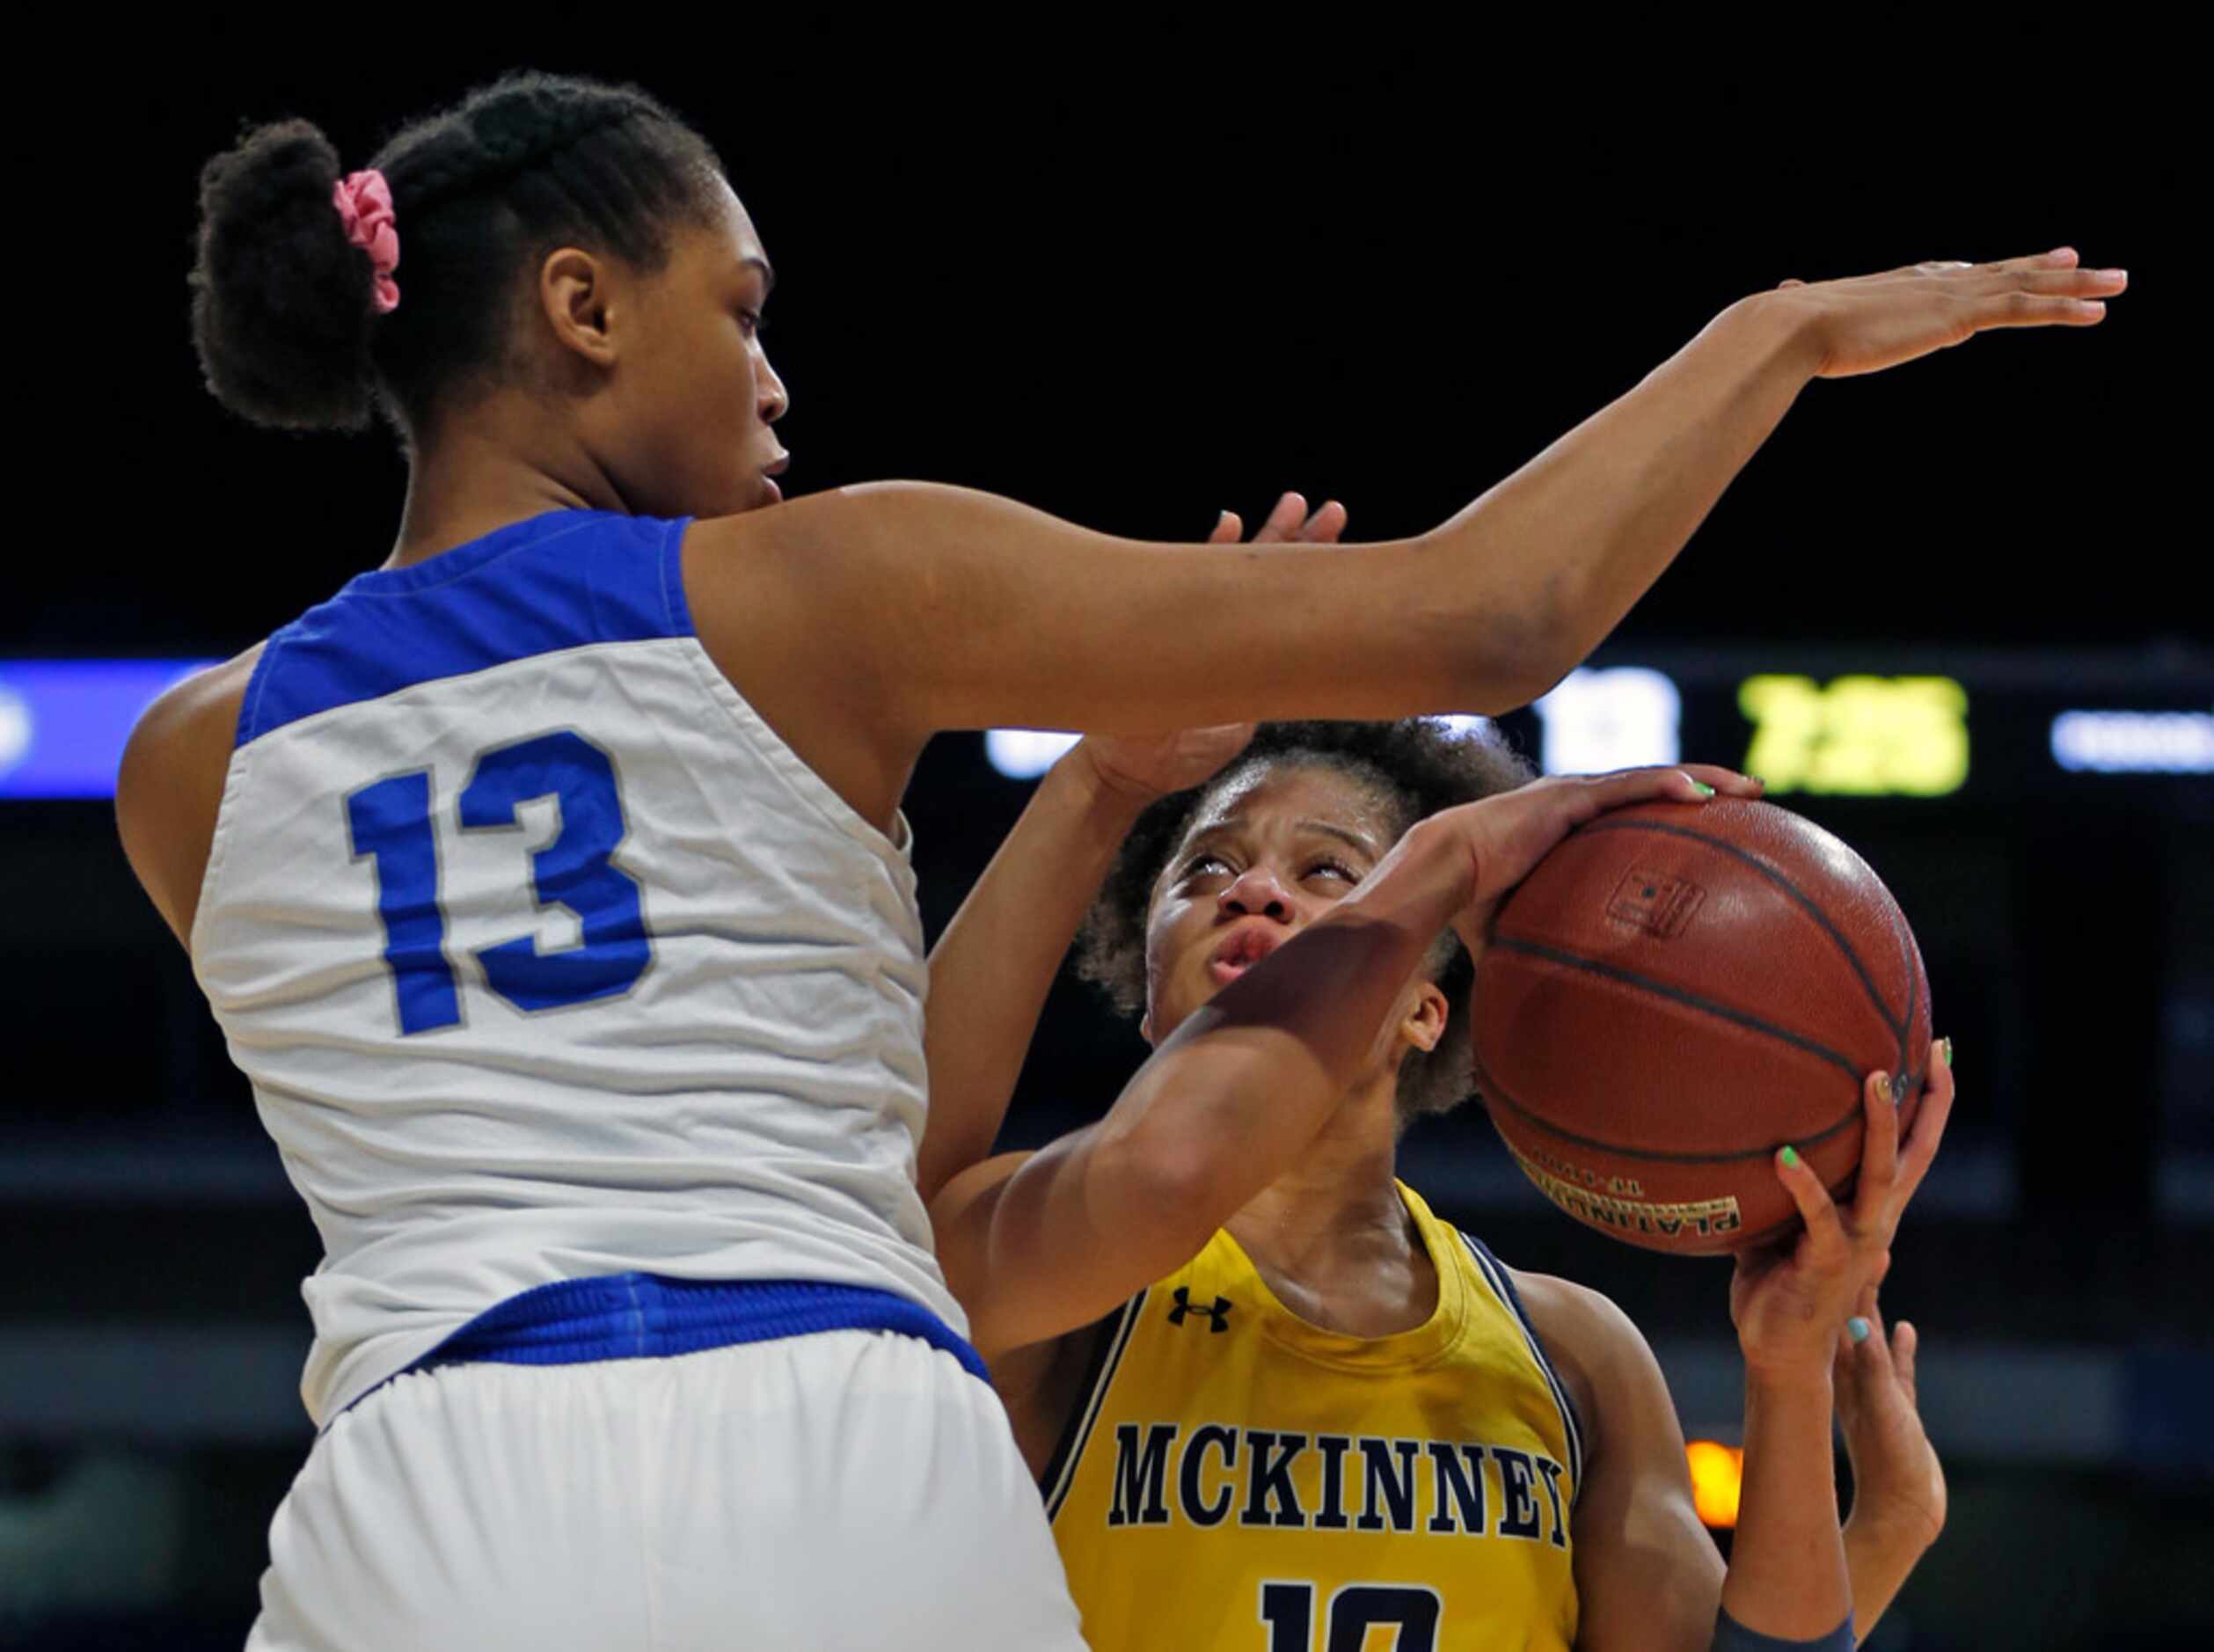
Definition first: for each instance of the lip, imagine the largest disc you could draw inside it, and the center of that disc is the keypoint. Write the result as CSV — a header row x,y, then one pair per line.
x,y
1243,947
778,467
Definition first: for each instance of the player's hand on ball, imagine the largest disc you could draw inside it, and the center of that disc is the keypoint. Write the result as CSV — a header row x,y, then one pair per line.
x,y
1506,836
1146,766
1871,322
1790,1303
1898,1483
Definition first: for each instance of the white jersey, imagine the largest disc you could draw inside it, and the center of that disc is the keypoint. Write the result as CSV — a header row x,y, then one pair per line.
x,y
547,959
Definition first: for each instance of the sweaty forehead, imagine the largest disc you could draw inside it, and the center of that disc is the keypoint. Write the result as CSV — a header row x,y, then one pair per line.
x,y
1280,796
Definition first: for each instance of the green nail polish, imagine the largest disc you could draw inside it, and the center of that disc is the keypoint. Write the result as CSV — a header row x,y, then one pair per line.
x,y
1946,1044
1857,1328
1790,1156
1702,788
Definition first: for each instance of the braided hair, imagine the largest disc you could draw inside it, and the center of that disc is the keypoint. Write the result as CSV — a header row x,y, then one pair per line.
x,y
282,308
1416,766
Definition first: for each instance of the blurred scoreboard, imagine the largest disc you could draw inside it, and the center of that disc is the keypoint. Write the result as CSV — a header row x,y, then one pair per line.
x,y
2003,728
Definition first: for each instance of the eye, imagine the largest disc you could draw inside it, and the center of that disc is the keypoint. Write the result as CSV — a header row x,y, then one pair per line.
x,y
1336,869
1204,866
752,322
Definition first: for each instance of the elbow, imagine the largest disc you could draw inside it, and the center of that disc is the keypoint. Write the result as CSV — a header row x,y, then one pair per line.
x,y
1513,656
1168,1195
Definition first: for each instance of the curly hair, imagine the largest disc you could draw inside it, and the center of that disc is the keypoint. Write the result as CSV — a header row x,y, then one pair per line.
x,y
282,313
1418,766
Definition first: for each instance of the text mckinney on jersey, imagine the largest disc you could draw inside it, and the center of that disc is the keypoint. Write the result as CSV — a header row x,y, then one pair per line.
x,y
1473,1490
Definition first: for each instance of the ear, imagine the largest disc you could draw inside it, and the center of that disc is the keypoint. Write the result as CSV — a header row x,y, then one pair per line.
x,y
1424,1022
573,293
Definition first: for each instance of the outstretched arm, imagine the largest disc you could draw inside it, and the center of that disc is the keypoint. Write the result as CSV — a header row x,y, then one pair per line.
x,y
993,967
861,620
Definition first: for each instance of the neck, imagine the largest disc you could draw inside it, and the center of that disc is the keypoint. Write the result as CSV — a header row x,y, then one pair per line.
x,y
1340,1211
469,476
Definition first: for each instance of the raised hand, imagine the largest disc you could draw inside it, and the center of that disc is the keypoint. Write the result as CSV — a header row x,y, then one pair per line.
x,y
1142,767
1898,1483
1791,1302
1506,836
1871,322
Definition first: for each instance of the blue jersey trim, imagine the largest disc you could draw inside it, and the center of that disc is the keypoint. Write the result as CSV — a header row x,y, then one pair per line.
x,y
561,580
650,1316
1503,1286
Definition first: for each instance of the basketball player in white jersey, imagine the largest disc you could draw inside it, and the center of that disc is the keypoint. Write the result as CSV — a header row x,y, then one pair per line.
x,y
550,886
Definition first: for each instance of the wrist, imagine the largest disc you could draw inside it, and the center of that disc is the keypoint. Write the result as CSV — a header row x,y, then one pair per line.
x,y
1089,784
1803,1382
1779,329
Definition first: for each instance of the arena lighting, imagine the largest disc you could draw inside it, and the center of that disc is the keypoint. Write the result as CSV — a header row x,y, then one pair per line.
x,y
2134,742
62,722
1861,737
1718,1474
1620,716
1024,753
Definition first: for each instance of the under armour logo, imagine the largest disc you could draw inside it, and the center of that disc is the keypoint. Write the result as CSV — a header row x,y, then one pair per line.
x,y
1219,1313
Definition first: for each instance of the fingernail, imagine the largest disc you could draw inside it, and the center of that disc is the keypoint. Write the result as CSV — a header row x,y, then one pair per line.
x,y
1790,1156
1857,1328
2114,274
1756,780
1945,1048
1896,1088
1702,788
2060,252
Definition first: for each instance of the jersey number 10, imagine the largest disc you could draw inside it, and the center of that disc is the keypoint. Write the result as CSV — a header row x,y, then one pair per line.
x,y
1288,1608
389,822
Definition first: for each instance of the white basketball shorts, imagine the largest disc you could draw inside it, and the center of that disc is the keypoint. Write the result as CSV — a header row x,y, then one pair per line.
x,y
848,1489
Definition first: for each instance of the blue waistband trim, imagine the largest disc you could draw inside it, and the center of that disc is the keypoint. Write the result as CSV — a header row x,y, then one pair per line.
x,y
648,1316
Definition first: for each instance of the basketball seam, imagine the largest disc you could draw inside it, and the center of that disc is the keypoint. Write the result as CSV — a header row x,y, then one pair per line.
x,y
1493,1092
1892,1024
1662,989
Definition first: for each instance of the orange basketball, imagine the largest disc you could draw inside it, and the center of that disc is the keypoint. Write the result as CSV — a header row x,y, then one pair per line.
x,y
1677,991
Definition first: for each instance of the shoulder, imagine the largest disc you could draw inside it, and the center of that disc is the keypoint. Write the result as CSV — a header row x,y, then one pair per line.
x,y
853,538
169,785
1599,1352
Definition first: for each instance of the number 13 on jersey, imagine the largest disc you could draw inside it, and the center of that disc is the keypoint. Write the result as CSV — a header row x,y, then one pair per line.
x,y
389,820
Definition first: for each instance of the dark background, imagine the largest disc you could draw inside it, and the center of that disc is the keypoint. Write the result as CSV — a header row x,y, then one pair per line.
x,y
1134,272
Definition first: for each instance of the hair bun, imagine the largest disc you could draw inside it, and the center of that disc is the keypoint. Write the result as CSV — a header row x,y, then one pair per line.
x,y
282,308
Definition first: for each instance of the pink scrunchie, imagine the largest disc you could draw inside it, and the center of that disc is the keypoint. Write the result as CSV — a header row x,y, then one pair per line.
x,y
364,201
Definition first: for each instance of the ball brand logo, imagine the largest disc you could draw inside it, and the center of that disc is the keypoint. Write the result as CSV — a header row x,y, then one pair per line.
x,y
1706,1217
1654,902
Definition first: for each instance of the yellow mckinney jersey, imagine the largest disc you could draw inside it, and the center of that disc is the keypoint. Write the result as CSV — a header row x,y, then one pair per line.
x,y
1236,1480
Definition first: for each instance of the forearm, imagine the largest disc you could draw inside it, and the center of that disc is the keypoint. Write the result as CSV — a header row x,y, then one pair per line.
x,y
1879,1563
1592,522
1787,1572
993,967
1229,1103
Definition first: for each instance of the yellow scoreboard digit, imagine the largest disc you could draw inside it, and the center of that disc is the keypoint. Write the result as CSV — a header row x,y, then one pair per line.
x,y
1865,737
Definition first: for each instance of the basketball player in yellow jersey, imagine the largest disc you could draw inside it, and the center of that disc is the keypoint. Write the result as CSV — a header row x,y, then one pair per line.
x,y
1331,1417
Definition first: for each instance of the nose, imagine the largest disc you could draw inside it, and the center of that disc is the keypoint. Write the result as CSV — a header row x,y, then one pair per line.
x,y
1256,892
776,401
